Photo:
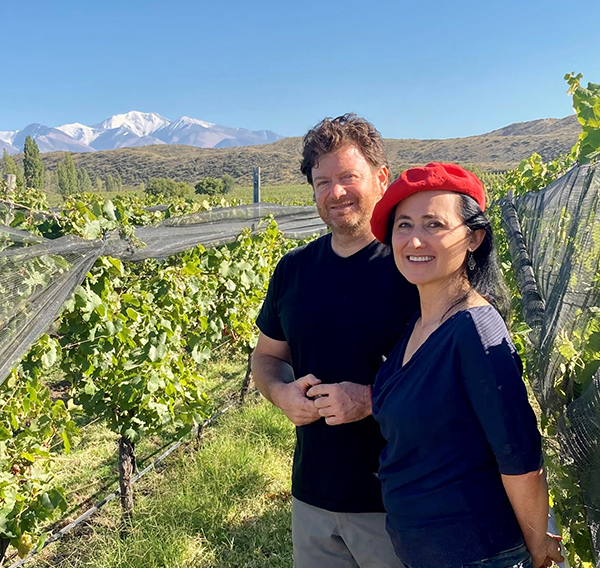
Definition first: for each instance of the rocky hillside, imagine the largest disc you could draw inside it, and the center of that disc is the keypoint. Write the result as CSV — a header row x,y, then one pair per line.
x,y
279,162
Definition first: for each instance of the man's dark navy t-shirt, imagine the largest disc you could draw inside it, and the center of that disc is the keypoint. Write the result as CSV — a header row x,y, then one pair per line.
x,y
455,417
340,316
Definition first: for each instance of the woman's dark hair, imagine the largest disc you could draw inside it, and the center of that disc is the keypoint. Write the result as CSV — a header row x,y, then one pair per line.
x,y
486,277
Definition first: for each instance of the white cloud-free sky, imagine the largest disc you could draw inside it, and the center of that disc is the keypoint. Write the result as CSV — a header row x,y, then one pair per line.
x,y
416,69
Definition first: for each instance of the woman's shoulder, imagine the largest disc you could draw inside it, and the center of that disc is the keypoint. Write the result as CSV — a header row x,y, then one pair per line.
x,y
486,324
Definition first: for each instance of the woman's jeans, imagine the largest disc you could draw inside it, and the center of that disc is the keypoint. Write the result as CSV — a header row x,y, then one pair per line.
x,y
517,557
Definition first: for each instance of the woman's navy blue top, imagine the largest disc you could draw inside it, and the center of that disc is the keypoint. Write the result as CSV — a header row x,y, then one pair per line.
x,y
455,417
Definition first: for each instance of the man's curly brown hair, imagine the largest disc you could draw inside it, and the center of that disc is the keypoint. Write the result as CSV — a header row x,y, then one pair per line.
x,y
331,134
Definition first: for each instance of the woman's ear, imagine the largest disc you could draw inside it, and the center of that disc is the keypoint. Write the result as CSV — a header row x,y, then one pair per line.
x,y
476,239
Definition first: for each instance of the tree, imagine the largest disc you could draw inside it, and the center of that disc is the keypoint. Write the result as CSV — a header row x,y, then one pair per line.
x,y
210,186
32,164
84,183
9,167
67,176
110,183
51,181
168,187
228,183
99,185
71,171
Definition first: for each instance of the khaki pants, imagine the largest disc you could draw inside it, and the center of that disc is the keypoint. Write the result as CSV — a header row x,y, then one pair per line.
x,y
323,539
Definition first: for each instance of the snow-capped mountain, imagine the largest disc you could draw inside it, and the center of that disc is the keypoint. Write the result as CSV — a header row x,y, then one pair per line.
x,y
121,137
140,123
81,132
8,136
133,129
49,139
8,147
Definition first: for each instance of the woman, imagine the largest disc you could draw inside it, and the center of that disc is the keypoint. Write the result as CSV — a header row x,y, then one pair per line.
x,y
462,475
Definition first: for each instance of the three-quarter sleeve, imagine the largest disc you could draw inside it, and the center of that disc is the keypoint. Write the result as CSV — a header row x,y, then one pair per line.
x,y
491,374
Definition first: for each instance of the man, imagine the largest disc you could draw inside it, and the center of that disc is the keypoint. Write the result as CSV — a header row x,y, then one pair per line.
x,y
334,309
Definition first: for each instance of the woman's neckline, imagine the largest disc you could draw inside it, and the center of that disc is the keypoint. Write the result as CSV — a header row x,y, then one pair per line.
x,y
450,318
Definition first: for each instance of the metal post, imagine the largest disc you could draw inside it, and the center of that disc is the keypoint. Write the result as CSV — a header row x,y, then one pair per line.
x,y
256,182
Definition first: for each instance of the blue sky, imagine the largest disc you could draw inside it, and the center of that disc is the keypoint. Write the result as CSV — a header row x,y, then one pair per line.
x,y
415,69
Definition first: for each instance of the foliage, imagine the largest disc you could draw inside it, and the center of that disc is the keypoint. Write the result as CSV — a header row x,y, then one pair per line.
x,y
134,338
114,183
67,176
125,350
21,206
228,183
210,186
9,167
31,423
533,174
586,103
84,183
580,349
167,187
33,167
224,504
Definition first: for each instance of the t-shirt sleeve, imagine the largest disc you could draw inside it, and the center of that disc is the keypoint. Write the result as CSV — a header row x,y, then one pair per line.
x,y
491,373
269,320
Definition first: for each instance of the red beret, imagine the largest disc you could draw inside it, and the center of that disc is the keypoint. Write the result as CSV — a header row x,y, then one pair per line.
x,y
433,176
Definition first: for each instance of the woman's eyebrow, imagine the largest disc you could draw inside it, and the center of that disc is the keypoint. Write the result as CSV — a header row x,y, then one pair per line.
x,y
426,216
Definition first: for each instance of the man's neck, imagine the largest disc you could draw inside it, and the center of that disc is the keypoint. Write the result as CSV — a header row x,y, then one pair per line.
x,y
345,245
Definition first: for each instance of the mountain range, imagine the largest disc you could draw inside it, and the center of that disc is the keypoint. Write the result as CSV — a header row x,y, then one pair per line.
x,y
494,151
131,130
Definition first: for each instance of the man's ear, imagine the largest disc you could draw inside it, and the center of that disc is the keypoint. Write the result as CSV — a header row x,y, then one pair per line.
x,y
383,178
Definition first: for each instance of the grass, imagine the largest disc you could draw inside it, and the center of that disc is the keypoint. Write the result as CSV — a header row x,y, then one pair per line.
x,y
224,504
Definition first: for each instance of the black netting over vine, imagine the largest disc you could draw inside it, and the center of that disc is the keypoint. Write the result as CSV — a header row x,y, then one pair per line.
x,y
38,275
555,242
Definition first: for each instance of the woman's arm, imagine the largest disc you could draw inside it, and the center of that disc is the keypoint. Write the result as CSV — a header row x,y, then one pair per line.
x,y
528,495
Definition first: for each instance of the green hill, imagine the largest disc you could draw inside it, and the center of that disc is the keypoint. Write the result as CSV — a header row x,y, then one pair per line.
x,y
279,162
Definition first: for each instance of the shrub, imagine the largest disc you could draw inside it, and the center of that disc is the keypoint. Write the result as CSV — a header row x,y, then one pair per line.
x,y
168,187
210,186
229,183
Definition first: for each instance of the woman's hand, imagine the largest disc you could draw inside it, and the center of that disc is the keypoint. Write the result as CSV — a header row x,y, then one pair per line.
x,y
546,552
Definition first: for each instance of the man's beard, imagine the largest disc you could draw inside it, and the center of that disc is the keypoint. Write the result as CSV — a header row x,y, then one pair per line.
x,y
354,224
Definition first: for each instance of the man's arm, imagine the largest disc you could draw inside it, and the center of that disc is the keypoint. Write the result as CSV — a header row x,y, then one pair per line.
x,y
344,402
528,495
274,378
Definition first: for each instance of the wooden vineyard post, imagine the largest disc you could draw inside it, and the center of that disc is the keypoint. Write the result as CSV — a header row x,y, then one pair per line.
x,y
126,472
247,379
